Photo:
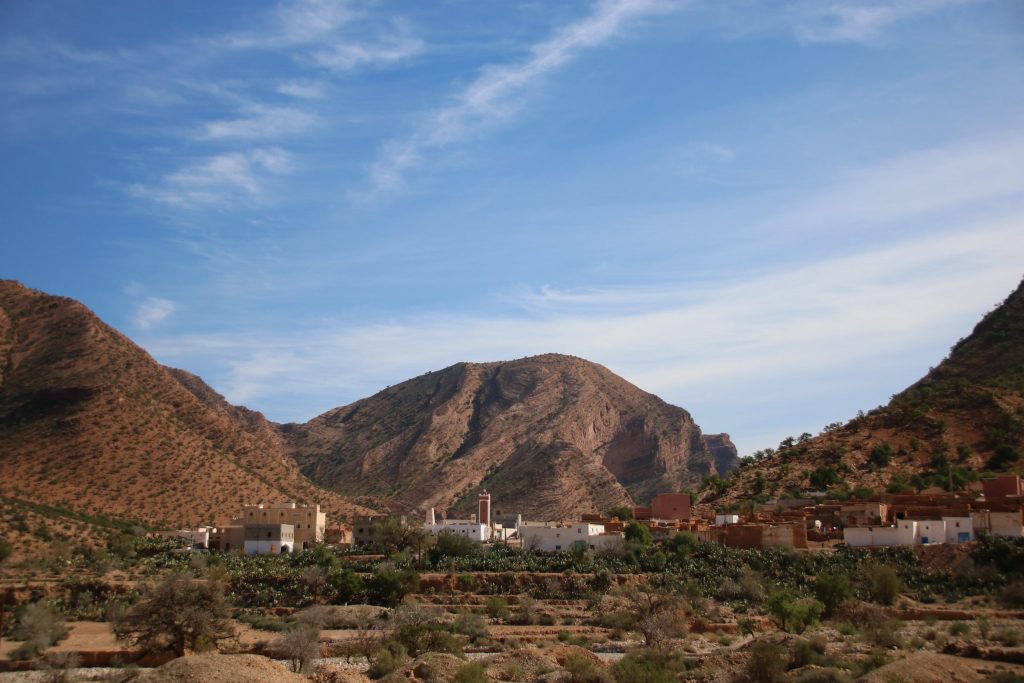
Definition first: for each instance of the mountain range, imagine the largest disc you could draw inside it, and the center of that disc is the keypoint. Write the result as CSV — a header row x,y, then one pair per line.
x,y
90,423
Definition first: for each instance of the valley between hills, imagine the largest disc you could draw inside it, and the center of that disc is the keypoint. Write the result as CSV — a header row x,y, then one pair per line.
x,y
100,445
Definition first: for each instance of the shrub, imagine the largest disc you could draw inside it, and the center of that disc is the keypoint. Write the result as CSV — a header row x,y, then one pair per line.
x,y
39,627
583,670
387,587
526,612
683,544
792,613
1004,456
472,625
881,454
874,625
804,652
767,663
497,607
959,628
348,586
649,666
429,637
300,645
832,589
472,672
388,658
882,583
1013,594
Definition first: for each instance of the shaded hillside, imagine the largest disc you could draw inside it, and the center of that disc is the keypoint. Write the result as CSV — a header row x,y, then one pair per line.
x,y
550,436
90,422
965,417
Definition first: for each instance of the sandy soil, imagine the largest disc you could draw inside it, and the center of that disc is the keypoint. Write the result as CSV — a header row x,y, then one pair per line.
x,y
928,667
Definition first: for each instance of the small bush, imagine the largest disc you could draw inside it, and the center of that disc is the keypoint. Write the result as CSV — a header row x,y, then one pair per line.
x,y
472,672
649,666
882,583
959,629
391,656
497,607
1008,637
582,670
847,629
804,652
39,627
767,663
1013,594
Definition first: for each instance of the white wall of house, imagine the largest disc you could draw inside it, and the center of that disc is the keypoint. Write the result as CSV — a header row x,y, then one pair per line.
x,y
905,533
469,528
558,537
959,529
931,531
722,520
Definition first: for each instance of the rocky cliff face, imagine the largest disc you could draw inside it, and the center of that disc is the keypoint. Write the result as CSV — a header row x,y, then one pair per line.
x,y
964,418
90,421
723,451
550,436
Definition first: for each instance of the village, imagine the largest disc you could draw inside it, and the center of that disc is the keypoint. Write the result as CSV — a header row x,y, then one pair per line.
x,y
885,520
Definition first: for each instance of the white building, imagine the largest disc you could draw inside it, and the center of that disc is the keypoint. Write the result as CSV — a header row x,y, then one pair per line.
x,y
552,536
959,529
722,520
904,533
470,528
269,539
912,532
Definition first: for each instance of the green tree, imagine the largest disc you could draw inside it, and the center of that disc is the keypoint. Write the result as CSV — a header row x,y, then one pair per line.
x,y
387,586
1004,456
622,512
881,454
638,533
177,613
450,544
792,613
832,589
348,586
683,544
882,583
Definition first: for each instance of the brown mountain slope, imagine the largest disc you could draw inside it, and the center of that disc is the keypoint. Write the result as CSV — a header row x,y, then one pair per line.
x,y
90,422
964,417
550,436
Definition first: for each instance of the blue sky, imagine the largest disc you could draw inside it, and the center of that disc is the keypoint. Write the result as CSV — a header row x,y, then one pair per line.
x,y
773,214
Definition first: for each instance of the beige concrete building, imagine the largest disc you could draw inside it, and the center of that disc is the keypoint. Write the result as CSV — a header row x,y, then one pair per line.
x,y
308,521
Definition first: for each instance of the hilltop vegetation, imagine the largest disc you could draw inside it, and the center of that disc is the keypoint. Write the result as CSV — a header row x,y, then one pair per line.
x,y
962,421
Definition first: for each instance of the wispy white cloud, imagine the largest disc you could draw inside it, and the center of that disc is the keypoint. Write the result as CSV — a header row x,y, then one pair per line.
x,y
928,181
261,122
858,21
303,90
296,23
499,90
749,334
153,311
218,180
346,55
